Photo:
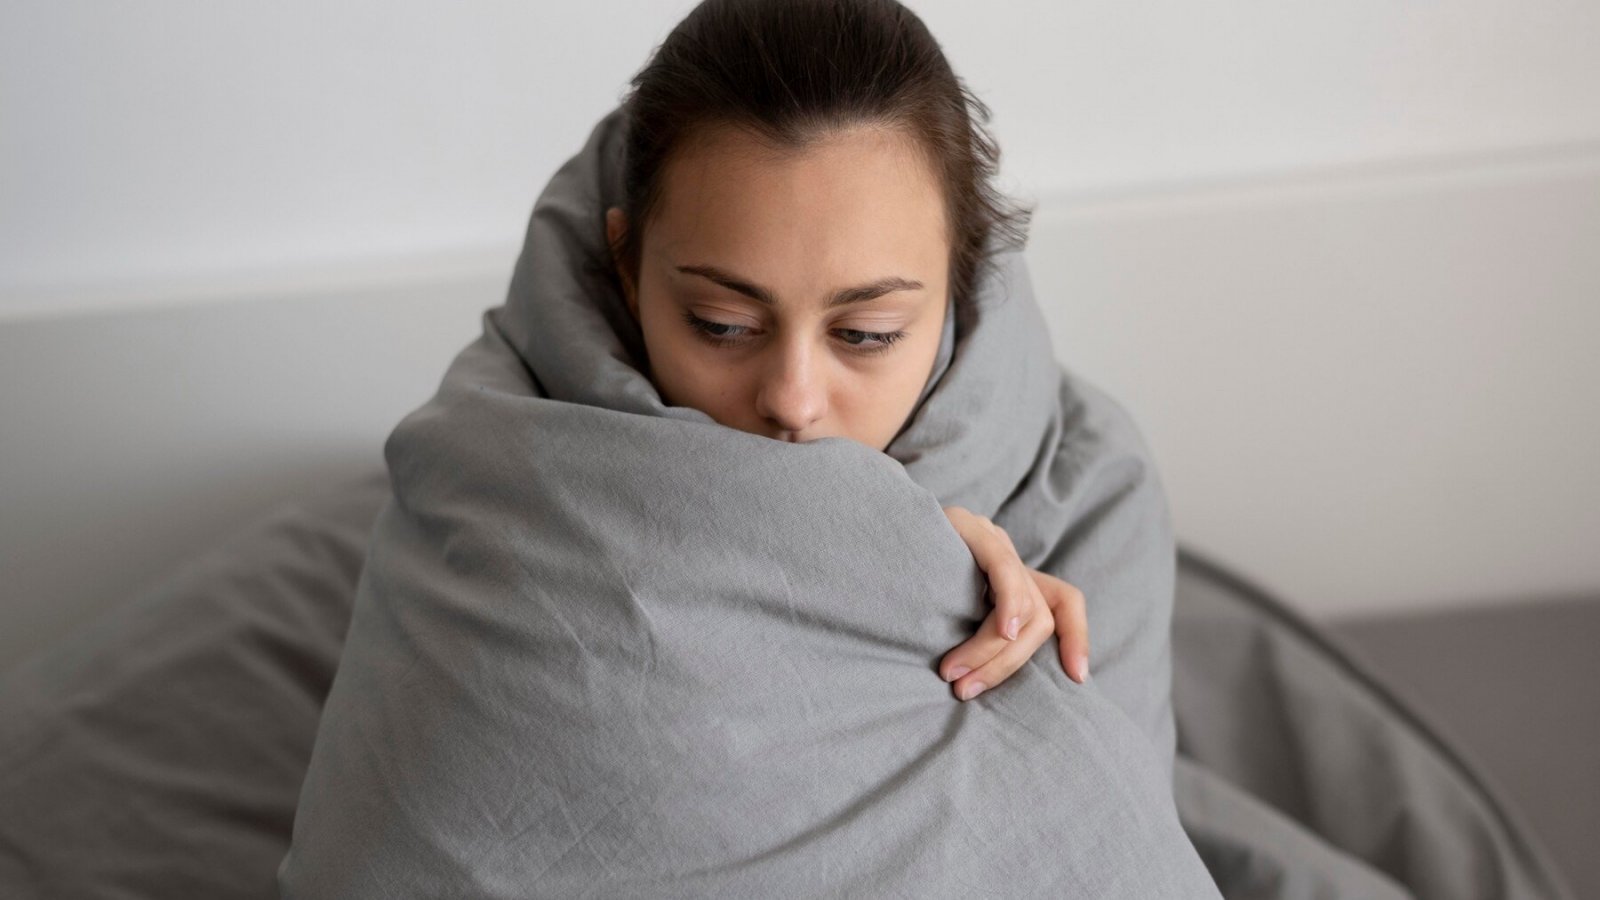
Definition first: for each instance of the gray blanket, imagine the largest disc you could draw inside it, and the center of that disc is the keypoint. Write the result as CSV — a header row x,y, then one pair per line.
x,y
606,647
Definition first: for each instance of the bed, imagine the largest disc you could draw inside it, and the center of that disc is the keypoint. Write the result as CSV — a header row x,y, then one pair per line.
x,y
158,751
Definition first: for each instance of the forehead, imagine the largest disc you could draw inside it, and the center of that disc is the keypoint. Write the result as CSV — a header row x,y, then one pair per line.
x,y
858,202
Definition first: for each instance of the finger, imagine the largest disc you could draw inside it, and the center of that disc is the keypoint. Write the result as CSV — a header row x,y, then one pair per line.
x,y
1070,611
1033,603
973,652
1013,593
1015,597
1005,663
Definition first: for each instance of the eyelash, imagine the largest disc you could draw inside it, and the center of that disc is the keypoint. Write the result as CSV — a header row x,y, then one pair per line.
x,y
886,339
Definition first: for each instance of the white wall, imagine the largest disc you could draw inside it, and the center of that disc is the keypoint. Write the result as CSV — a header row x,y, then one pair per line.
x,y
149,143
1338,259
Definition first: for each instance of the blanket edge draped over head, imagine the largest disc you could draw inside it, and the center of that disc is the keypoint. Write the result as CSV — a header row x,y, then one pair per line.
x,y
606,645
1007,432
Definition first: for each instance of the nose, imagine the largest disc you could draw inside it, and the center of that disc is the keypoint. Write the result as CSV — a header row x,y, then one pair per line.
x,y
793,393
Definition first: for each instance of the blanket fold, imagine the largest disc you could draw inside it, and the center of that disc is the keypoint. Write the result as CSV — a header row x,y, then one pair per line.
x,y
606,647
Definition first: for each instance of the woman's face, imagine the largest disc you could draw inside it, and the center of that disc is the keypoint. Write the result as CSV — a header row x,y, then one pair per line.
x,y
794,294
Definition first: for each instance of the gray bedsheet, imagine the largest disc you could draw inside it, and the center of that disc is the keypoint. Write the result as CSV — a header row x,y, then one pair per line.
x,y
159,752
607,647
1301,775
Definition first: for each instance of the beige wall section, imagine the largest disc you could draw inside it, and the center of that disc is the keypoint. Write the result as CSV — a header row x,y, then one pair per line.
x,y
1371,389
131,439
1374,389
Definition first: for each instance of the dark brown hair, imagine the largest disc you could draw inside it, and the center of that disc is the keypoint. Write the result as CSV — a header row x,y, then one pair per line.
x,y
791,71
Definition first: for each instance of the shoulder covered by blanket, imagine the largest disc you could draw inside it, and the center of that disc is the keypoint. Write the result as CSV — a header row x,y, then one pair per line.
x,y
606,647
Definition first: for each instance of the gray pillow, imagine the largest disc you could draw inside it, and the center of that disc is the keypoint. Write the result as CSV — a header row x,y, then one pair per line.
x,y
159,750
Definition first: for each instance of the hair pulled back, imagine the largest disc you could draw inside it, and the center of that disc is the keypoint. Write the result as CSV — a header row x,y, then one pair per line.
x,y
792,71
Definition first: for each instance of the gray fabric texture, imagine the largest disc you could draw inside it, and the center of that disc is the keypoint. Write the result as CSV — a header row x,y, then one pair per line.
x,y
1301,775
607,647
158,751
1531,720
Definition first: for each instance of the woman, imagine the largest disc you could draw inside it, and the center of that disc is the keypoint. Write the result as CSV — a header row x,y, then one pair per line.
x,y
802,246
678,552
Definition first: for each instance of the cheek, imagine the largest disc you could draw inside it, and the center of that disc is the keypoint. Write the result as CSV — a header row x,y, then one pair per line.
x,y
684,368
870,401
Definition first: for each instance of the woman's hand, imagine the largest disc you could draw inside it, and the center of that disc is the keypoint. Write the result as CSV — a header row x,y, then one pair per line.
x,y
1028,606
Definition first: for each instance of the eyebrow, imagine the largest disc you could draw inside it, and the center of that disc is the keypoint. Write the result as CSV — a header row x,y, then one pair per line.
x,y
869,291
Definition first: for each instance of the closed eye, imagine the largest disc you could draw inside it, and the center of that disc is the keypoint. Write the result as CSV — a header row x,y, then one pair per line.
x,y
882,339
721,334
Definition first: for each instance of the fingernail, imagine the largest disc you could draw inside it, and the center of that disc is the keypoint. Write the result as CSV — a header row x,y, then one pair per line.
x,y
974,689
957,672
1012,626
1083,669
